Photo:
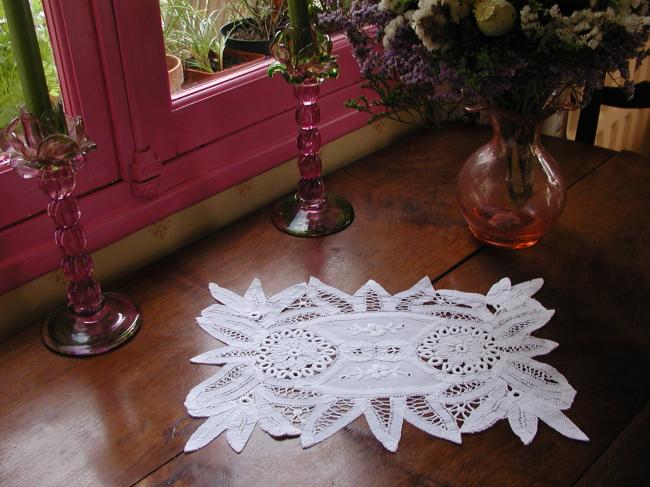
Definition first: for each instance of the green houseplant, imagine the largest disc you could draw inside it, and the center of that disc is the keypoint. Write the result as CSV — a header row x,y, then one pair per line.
x,y
193,35
254,24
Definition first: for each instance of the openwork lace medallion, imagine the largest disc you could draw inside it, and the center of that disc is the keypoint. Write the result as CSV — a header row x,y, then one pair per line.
x,y
311,359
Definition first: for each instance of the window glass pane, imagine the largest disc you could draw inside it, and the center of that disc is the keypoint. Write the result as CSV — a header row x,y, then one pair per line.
x,y
208,39
11,95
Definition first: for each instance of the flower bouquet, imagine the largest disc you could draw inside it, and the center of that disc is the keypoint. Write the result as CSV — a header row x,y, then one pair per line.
x,y
518,60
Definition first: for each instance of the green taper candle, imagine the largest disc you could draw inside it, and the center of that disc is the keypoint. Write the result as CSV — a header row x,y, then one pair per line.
x,y
299,21
28,56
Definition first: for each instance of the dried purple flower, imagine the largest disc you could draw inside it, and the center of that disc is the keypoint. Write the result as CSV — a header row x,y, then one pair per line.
x,y
421,51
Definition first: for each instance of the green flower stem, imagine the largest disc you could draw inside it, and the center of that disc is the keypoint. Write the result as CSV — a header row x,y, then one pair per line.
x,y
299,20
28,56
519,159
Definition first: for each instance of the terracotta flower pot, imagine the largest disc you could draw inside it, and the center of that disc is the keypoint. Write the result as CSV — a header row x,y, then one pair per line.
x,y
233,59
174,72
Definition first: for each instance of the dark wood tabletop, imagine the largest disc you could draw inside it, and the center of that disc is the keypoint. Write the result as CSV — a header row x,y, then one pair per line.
x,y
119,419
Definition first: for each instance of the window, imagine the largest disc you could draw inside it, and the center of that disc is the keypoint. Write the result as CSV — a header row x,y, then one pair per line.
x,y
156,153
206,40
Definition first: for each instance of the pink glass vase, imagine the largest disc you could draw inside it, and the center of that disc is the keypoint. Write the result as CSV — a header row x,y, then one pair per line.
x,y
311,211
511,189
92,322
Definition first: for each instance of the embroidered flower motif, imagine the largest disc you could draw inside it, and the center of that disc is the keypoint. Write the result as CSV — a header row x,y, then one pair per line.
x,y
291,354
376,329
376,371
459,350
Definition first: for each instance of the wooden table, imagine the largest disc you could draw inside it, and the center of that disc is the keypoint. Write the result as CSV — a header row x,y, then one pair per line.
x,y
119,419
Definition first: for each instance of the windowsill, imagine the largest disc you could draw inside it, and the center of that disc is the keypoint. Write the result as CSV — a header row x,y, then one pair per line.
x,y
29,301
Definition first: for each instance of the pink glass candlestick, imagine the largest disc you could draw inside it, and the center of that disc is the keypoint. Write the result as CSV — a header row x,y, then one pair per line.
x,y
91,323
310,212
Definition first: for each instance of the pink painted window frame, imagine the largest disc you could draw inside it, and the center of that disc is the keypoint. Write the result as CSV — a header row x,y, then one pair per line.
x,y
157,155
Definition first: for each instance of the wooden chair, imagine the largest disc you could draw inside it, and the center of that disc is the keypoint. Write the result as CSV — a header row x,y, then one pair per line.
x,y
611,97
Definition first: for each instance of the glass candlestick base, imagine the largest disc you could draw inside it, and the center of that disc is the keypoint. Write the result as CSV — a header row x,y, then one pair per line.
x,y
293,218
82,335
311,211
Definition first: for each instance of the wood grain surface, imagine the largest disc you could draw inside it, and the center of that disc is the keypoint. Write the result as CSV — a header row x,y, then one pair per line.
x,y
119,419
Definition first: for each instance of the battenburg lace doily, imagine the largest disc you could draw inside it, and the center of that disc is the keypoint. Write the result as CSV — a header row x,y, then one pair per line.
x,y
311,359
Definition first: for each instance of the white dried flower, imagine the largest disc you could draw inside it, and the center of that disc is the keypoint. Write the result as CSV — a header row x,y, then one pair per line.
x,y
427,9
530,24
634,23
426,6
391,29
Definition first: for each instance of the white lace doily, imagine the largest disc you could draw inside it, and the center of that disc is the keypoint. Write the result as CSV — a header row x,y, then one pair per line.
x,y
311,359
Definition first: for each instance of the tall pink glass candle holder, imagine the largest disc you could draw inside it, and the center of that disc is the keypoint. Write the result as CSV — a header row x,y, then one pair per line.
x,y
311,211
92,322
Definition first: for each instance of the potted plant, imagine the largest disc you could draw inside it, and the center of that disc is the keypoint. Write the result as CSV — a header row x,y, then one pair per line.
x,y
255,24
192,34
